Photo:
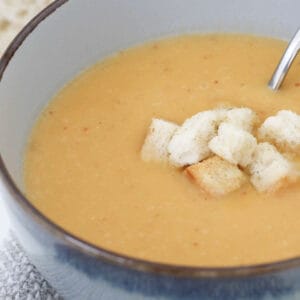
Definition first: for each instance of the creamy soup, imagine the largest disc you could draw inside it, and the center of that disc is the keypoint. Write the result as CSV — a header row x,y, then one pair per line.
x,y
83,168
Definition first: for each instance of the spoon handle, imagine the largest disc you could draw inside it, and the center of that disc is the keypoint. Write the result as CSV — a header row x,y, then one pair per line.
x,y
285,62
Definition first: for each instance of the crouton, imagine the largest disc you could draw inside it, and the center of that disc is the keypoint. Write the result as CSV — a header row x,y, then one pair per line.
x,y
283,130
244,118
155,147
233,144
216,176
189,144
270,170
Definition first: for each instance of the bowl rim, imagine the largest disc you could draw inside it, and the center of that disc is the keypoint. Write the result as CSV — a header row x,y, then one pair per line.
x,y
97,252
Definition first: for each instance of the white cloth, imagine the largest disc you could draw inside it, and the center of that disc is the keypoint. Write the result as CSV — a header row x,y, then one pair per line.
x,y
19,279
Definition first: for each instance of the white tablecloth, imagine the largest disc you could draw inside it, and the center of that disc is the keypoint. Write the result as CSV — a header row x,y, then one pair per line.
x,y
19,279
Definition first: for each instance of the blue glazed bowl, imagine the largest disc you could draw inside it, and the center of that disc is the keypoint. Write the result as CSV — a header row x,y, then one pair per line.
x,y
61,41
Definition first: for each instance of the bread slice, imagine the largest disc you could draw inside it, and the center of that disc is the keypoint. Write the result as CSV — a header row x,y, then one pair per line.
x,y
216,176
189,144
233,144
244,118
270,170
283,130
155,146
14,15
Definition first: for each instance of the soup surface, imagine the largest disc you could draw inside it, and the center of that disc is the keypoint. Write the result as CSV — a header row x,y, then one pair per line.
x,y
83,168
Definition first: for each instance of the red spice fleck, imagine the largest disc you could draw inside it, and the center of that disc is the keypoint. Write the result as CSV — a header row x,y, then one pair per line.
x,y
297,84
85,129
216,81
155,47
65,127
195,244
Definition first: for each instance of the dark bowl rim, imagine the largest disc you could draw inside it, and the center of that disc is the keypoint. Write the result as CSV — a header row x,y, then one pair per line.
x,y
97,252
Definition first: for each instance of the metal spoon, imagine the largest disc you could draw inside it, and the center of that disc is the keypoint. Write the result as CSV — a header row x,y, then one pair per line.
x,y
285,62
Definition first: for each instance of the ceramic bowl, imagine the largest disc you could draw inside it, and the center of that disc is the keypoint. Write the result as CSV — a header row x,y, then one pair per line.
x,y
66,38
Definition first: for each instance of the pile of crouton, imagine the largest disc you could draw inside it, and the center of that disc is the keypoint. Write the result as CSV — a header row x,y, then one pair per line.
x,y
221,149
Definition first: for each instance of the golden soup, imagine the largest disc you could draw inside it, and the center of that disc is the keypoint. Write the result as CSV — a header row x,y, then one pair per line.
x,y
83,169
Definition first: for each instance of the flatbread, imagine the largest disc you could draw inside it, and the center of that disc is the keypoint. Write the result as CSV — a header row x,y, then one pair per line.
x,y
14,14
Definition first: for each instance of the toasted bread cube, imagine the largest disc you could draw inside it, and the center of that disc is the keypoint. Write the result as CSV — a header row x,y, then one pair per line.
x,y
233,144
155,147
216,176
283,130
189,144
244,118
270,170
